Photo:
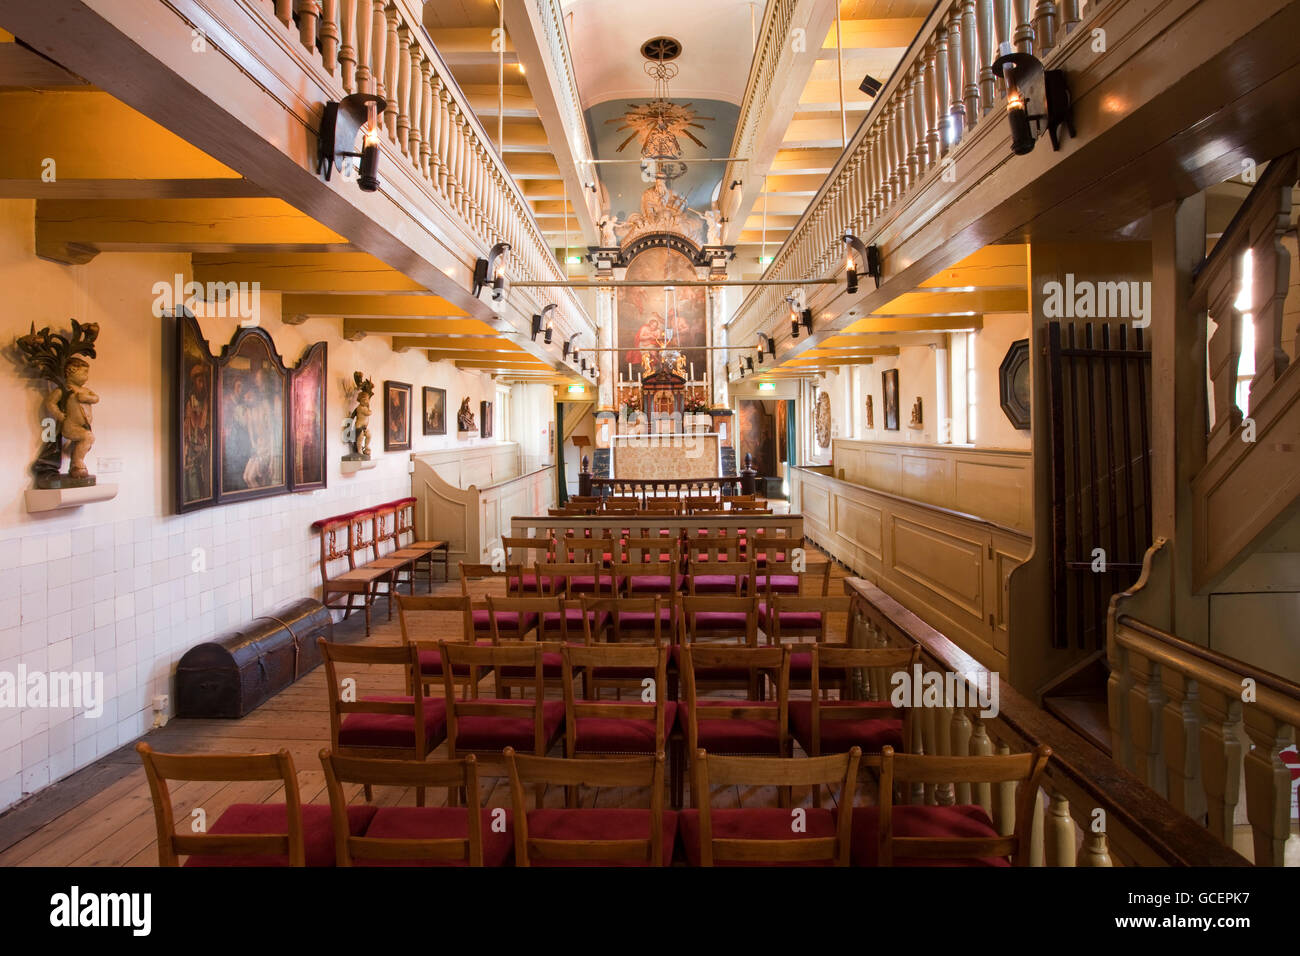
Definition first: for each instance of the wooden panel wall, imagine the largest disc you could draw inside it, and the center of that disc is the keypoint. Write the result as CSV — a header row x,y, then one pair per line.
x,y
951,570
993,485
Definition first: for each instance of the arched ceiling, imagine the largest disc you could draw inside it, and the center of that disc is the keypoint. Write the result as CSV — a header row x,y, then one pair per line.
x,y
606,41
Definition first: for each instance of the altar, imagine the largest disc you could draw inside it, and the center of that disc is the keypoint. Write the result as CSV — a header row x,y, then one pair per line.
x,y
667,456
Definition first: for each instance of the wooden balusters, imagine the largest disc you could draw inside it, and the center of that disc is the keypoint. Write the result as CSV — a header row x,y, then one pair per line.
x,y
415,130
912,131
347,44
391,67
378,48
284,11
1182,737
956,102
365,23
1044,27
1096,850
403,104
329,35
1268,785
985,44
428,124
970,62
1221,758
1004,800
937,104
981,745
1059,845
1146,700
961,741
1271,264
1070,15
1023,37
438,146
308,17
1037,850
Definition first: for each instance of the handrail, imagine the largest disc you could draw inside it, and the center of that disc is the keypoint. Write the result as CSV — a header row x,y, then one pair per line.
x,y
382,47
943,87
1140,824
557,41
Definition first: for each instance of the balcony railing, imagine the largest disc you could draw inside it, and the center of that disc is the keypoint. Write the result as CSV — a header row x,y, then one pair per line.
x,y
1135,825
942,89
381,47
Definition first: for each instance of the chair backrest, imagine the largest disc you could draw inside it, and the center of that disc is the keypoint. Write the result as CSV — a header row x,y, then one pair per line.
x,y
542,772
402,657
757,660
335,547
460,775
623,501
527,551
693,605
426,619
1025,769
361,536
716,547
159,768
486,572
472,657
839,770
779,628
672,505
616,607
508,607
693,503
873,667
581,550
740,572
553,577
649,658
405,521
385,530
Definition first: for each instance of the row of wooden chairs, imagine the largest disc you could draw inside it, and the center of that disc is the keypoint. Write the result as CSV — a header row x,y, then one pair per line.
x,y
466,833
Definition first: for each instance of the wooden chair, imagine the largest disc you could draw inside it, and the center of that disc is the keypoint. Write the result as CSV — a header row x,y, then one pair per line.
x,y
553,616
419,618
825,726
415,836
479,614
590,837
713,618
427,553
776,570
363,539
486,726
891,835
796,622
593,726
716,576
526,552
767,835
750,727
669,505
245,834
357,581
651,566
388,551
694,503
388,726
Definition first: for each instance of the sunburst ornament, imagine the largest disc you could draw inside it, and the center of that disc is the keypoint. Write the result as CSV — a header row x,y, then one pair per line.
x,y
659,122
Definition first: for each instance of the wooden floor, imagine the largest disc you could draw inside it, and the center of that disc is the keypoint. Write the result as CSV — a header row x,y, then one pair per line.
x,y
103,816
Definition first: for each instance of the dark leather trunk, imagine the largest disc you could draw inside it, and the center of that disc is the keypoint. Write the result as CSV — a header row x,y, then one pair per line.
x,y
239,671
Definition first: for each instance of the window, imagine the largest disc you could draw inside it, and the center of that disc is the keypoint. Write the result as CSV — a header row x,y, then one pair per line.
x,y
1246,361
963,388
970,388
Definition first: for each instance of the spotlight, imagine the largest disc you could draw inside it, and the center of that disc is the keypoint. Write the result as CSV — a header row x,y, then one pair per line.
x,y
341,122
869,85
1031,86
867,256
546,319
492,269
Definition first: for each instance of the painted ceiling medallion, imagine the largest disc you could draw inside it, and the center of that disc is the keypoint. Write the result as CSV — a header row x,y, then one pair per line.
x,y
660,122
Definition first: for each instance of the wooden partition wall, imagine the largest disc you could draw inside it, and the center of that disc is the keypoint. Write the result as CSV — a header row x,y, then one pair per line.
x,y
950,569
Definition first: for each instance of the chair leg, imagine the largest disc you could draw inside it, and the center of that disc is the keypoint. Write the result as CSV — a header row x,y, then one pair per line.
x,y
419,796
366,602
370,792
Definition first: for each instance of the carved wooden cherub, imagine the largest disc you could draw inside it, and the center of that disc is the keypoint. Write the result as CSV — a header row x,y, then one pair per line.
x,y
916,414
361,416
465,417
67,412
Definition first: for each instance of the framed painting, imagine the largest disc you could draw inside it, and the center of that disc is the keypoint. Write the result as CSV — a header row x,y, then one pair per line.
x,y
252,418
485,417
1013,384
889,386
307,421
195,372
435,410
397,416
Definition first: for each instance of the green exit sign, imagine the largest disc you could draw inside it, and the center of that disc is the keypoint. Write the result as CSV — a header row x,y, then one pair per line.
x,y
577,390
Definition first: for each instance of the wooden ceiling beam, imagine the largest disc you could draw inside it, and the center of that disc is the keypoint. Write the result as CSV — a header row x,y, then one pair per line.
x,y
873,325
345,272
410,314
470,355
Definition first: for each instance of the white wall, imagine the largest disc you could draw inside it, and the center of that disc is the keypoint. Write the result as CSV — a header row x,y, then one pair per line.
x,y
110,587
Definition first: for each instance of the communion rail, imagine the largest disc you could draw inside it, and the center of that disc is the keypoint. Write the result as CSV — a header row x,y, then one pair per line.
x,y
1090,812
644,488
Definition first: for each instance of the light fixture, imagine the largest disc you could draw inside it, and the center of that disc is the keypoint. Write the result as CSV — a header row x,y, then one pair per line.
x,y
759,348
749,362
736,183
537,326
548,321
492,269
571,345
870,85
867,256
1029,86
340,124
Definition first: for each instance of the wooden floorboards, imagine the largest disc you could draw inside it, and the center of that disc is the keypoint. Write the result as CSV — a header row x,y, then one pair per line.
x,y
103,816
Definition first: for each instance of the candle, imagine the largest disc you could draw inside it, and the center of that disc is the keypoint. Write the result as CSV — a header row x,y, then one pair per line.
x,y
629,371
692,371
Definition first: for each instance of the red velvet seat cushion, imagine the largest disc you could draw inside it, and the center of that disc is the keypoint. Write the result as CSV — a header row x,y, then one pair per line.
x,y
714,583
586,584
757,823
317,832
645,621
761,559
394,730
792,622
781,583
705,621
431,662
623,735
573,621
507,621
879,725
907,821
552,667
599,824
736,735
649,584
438,823
498,733
528,582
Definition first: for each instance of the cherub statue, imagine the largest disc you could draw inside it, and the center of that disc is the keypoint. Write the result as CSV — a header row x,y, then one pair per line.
x,y
608,236
465,418
361,417
67,412
713,226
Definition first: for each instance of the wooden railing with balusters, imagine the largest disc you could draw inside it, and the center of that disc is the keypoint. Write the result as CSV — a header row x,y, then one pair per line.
x,y
381,47
943,88
1193,724
1232,506
1136,825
